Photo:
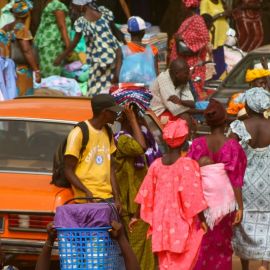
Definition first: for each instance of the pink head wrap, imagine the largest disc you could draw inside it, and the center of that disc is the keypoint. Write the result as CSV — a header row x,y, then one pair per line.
x,y
175,133
191,3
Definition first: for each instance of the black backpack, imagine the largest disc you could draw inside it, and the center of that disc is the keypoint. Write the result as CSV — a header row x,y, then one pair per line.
x,y
58,175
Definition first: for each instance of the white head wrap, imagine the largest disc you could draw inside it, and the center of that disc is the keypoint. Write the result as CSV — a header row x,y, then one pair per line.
x,y
82,2
257,99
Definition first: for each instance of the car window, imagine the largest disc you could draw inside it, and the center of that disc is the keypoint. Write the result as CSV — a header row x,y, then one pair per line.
x,y
29,146
237,78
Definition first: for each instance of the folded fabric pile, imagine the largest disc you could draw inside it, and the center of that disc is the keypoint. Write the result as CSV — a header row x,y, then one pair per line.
x,y
76,70
69,87
127,93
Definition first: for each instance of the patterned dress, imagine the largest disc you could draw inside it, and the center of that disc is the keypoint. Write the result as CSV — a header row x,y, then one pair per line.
x,y
171,197
24,73
48,38
252,239
216,249
196,36
101,51
248,24
131,168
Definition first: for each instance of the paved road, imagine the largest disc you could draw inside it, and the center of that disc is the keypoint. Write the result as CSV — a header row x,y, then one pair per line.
x,y
237,265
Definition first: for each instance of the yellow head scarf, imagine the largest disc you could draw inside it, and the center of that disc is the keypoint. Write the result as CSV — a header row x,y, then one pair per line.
x,y
253,74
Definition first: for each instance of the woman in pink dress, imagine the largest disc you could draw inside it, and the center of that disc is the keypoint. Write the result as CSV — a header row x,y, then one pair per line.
x,y
171,198
216,249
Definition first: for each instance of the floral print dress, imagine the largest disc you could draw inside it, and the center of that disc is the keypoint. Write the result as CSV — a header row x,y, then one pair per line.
x,y
48,38
171,197
252,238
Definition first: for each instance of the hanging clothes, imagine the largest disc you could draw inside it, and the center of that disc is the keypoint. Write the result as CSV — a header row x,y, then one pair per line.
x,y
8,78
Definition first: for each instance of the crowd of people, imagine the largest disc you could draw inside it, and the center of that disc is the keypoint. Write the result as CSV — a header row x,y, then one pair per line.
x,y
52,40
193,204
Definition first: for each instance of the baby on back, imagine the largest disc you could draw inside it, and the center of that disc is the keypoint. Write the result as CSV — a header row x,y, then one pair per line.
x,y
204,161
217,190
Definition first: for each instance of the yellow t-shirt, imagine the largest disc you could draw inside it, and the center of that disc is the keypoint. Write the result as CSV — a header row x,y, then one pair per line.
x,y
221,24
94,166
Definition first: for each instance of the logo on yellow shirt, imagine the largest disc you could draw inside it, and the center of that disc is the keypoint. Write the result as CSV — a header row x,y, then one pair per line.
x,y
99,160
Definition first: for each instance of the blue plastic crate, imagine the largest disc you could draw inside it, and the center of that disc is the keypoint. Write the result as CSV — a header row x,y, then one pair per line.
x,y
87,249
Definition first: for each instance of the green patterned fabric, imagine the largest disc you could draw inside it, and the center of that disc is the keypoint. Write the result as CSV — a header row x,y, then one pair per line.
x,y
48,38
141,246
129,180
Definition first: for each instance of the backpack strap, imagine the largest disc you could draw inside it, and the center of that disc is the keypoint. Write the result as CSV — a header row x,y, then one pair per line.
x,y
109,132
85,132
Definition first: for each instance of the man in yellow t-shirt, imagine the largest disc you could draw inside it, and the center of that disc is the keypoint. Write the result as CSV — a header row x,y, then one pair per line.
x,y
90,173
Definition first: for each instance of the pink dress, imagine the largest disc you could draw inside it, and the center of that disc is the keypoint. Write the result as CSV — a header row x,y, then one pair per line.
x,y
171,197
216,249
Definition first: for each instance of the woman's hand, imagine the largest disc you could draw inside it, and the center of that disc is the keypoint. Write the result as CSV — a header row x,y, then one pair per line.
x,y
238,217
37,76
204,226
132,223
58,61
129,112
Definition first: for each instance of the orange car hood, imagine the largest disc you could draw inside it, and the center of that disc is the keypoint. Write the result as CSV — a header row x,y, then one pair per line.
x,y
25,192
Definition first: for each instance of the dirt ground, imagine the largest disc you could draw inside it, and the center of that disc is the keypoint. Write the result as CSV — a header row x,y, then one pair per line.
x,y
237,265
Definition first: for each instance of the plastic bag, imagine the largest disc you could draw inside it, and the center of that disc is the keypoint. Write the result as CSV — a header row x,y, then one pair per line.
x,y
137,67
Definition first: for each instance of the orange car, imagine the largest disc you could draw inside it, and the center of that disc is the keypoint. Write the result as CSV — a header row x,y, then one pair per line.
x,y
30,130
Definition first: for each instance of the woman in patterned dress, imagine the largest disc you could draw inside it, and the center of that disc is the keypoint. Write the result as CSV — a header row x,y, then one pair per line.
x,y
193,31
135,151
16,35
52,36
171,200
95,25
248,22
251,239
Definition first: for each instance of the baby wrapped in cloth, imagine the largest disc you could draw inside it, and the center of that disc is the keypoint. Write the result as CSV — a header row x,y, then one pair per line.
x,y
217,190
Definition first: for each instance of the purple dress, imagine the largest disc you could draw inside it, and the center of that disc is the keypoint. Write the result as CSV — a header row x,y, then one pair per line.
x,y
216,249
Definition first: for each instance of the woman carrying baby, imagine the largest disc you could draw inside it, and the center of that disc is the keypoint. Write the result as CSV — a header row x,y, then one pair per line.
x,y
220,158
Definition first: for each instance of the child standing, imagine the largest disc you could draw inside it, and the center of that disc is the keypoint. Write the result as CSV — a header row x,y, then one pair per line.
x,y
171,198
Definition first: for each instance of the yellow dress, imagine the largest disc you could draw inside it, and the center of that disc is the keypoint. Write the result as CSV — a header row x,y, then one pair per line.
x,y
221,24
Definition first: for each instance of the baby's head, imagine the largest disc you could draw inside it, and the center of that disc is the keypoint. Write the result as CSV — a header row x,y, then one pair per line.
x,y
204,161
